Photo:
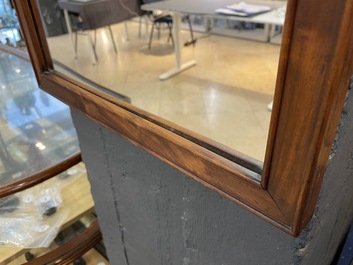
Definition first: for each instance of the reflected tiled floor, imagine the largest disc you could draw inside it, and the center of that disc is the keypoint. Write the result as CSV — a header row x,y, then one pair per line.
x,y
223,97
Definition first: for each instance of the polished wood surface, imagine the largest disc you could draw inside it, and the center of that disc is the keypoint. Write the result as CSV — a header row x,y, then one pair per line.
x,y
73,249
315,66
76,199
39,177
308,105
92,257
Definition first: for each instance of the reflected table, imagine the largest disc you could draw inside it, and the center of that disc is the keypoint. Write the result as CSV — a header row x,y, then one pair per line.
x,y
207,8
99,13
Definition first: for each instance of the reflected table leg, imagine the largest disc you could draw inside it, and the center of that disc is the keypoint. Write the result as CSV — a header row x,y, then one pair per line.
x,y
69,29
179,67
93,45
126,32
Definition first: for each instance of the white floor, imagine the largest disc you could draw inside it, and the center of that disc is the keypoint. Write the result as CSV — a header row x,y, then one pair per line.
x,y
224,97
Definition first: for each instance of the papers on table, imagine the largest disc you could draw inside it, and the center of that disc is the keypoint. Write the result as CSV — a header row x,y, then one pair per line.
x,y
243,9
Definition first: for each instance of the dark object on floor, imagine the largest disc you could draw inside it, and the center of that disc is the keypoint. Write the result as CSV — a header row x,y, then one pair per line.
x,y
50,211
191,42
29,256
48,205
80,261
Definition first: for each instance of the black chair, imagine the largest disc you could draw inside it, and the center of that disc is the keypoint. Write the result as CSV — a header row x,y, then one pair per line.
x,y
78,27
162,19
159,21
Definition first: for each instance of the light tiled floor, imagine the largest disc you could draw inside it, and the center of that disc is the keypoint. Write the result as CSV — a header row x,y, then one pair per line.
x,y
223,97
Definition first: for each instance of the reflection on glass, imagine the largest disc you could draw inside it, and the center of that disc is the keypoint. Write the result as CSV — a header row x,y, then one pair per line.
x,y
224,97
9,26
36,131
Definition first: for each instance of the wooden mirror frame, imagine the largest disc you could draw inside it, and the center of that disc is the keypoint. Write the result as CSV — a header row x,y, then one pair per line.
x,y
313,77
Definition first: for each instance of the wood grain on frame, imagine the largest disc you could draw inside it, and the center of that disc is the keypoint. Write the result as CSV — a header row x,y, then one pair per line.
x,y
314,71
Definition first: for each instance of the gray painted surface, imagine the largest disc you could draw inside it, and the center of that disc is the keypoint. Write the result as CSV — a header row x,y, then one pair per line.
x,y
151,214
334,211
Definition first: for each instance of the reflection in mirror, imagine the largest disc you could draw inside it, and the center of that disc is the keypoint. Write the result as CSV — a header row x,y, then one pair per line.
x,y
9,27
225,97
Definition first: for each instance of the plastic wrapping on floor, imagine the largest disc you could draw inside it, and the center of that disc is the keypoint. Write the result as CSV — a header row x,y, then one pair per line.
x,y
30,232
32,218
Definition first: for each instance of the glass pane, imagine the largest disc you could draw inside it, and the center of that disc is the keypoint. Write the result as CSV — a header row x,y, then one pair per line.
x,y
40,219
226,96
36,131
9,26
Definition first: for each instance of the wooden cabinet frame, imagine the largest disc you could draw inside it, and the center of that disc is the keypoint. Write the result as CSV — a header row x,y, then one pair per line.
x,y
314,72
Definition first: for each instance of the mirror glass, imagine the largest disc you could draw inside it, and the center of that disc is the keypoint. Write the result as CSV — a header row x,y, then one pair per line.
x,y
226,96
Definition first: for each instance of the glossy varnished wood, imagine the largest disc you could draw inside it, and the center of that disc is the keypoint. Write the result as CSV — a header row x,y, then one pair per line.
x,y
39,177
314,71
319,65
73,249
168,146
15,51
33,28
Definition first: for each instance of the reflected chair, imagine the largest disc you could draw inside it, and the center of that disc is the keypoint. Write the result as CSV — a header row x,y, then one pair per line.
x,y
78,27
159,19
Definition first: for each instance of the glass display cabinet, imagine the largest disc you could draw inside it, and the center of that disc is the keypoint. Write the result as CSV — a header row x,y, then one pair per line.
x,y
36,129
9,26
39,155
